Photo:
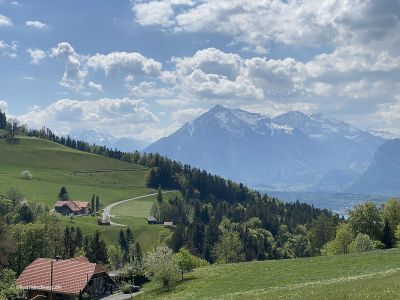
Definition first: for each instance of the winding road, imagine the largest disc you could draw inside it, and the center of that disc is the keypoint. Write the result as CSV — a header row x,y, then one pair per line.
x,y
107,210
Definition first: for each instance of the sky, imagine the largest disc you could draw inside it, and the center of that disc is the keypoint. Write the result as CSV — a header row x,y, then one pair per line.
x,y
143,68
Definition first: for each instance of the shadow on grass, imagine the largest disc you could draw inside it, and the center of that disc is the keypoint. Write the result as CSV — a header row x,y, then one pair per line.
x,y
163,291
12,141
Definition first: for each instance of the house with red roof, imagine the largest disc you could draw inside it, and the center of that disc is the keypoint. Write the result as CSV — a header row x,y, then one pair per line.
x,y
67,208
58,279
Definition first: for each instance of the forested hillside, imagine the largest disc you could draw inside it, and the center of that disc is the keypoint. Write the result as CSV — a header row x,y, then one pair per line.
x,y
215,220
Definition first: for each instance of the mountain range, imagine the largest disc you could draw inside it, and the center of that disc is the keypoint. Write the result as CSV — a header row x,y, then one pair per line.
x,y
383,174
101,138
293,151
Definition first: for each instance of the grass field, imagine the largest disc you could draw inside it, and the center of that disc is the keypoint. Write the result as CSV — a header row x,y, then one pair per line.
x,y
373,275
83,174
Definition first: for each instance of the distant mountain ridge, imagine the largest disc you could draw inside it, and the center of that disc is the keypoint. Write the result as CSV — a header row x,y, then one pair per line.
x,y
383,174
293,151
101,138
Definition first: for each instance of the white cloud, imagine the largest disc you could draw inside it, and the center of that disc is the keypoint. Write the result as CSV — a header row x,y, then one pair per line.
x,y
154,13
262,23
96,86
120,117
75,74
182,116
37,55
350,82
9,49
158,12
5,21
28,78
36,25
132,63
211,73
149,89
3,106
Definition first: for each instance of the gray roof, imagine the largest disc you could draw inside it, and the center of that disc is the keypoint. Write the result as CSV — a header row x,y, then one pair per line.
x,y
151,218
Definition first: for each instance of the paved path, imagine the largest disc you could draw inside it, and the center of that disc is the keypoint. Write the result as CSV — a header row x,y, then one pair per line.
x,y
107,210
121,296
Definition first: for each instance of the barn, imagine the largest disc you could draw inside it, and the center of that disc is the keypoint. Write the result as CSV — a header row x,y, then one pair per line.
x,y
58,279
67,208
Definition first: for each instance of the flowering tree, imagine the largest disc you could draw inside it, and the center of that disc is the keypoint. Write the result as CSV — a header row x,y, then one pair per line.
x,y
160,266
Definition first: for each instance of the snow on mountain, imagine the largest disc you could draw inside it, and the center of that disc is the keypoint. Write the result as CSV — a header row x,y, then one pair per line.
x,y
293,151
317,125
352,147
384,134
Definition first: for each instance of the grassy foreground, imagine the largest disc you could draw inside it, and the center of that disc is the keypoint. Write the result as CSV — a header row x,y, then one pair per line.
x,y
83,174
373,275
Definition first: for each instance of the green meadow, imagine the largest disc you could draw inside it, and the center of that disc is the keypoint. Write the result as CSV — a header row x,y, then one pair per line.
x,y
83,174
373,275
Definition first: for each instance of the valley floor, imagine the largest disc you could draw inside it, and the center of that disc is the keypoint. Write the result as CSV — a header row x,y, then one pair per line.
x,y
373,275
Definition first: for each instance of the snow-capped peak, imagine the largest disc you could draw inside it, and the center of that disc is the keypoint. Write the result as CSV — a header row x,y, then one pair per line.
x,y
384,134
317,125
239,121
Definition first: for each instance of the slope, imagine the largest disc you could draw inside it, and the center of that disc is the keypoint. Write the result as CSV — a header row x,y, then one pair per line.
x,y
83,174
352,148
383,175
247,147
373,275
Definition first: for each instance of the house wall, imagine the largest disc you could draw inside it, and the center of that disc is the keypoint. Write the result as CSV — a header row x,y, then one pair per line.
x,y
100,285
64,210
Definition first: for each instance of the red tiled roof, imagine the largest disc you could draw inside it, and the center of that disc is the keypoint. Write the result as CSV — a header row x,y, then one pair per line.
x,y
81,204
73,205
70,276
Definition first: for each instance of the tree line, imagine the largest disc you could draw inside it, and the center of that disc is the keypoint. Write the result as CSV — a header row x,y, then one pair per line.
x,y
28,230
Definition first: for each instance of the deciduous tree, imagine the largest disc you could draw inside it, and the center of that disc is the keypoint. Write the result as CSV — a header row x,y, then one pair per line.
x,y
363,243
185,261
160,266
229,248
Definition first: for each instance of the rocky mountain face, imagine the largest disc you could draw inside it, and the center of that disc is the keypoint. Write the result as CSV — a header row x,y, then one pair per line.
x,y
293,151
383,174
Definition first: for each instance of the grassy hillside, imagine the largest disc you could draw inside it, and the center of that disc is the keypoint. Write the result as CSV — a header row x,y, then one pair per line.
x,y
83,174
373,275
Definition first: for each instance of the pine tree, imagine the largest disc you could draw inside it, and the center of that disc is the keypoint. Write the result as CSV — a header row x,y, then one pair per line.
x,y
93,207
78,238
159,196
129,236
138,254
69,243
97,203
3,120
63,194
123,243
387,235
97,250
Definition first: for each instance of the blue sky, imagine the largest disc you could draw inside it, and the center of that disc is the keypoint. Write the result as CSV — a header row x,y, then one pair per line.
x,y
143,68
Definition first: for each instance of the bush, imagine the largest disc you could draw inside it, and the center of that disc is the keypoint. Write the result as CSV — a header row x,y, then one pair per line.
x,y
126,288
363,243
8,287
378,244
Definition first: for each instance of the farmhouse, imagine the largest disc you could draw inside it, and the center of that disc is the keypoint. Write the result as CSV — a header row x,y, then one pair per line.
x,y
65,279
67,208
